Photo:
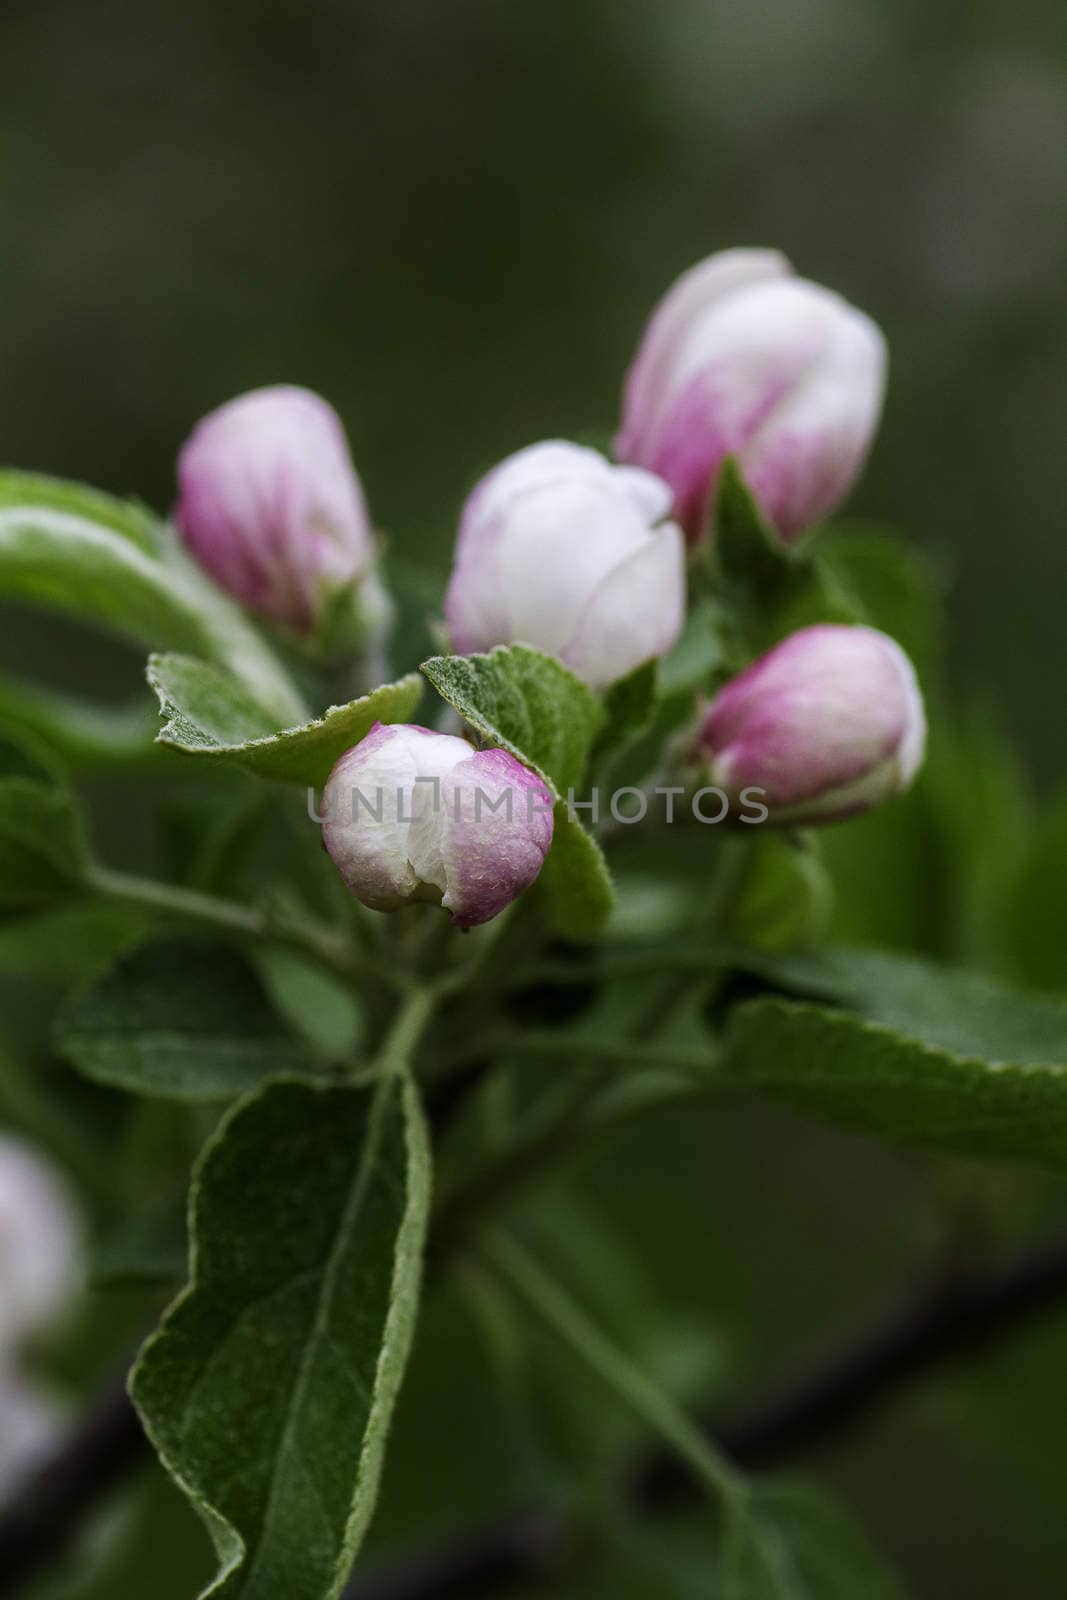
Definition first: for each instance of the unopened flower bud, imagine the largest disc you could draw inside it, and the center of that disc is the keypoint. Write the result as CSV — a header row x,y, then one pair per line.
x,y
743,358
270,505
559,549
416,815
825,725
38,1243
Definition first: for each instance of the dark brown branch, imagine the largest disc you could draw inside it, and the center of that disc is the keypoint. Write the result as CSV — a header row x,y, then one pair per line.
x,y
960,1319
838,1391
105,1446
108,1444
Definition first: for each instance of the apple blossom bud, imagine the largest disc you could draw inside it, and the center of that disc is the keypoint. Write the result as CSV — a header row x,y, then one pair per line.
x,y
270,505
559,549
825,725
416,815
743,358
38,1243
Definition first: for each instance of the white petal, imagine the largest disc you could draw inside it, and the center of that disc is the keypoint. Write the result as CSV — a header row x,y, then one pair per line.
x,y
636,613
381,829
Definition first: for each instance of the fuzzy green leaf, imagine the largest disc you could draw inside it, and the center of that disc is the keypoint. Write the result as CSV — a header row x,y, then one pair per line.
x,y
210,714
526,702
42,851
577,894
937,1058
64,547
126,517
269,1388
181,1020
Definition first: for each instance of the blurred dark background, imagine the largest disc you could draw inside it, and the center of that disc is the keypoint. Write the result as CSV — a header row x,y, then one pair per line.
x,y
453,217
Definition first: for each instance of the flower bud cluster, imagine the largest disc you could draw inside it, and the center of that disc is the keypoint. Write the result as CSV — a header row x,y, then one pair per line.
x,y
583,558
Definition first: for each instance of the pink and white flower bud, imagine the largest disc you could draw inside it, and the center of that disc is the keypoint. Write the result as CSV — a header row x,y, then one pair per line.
x,y
827,724
38,1243
270,504
742,358
417,815
559,549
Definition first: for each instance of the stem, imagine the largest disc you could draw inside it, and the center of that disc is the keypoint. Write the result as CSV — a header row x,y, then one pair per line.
x,y
503,949
408,1026
562,1121
323,944
712,915
615,965
544,1296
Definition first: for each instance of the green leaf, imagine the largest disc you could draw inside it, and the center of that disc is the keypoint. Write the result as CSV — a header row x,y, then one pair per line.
x,y
526,702
892,585
938,1058
181,1020
785,897
127,517
977,795
700,652
73,940
789,1542
210,714
56,550
24,755
82,732
628,707
882,866
320,1007
772,587
940,1006
269,1389
43,858
575,887
750,557
1032,920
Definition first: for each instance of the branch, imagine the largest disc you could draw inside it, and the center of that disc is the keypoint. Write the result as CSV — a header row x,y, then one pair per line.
x,y
841,1390
959,1319
108,1444
39,1524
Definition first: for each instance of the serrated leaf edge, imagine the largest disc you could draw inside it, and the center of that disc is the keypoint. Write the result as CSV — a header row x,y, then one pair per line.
x,y
231,1548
